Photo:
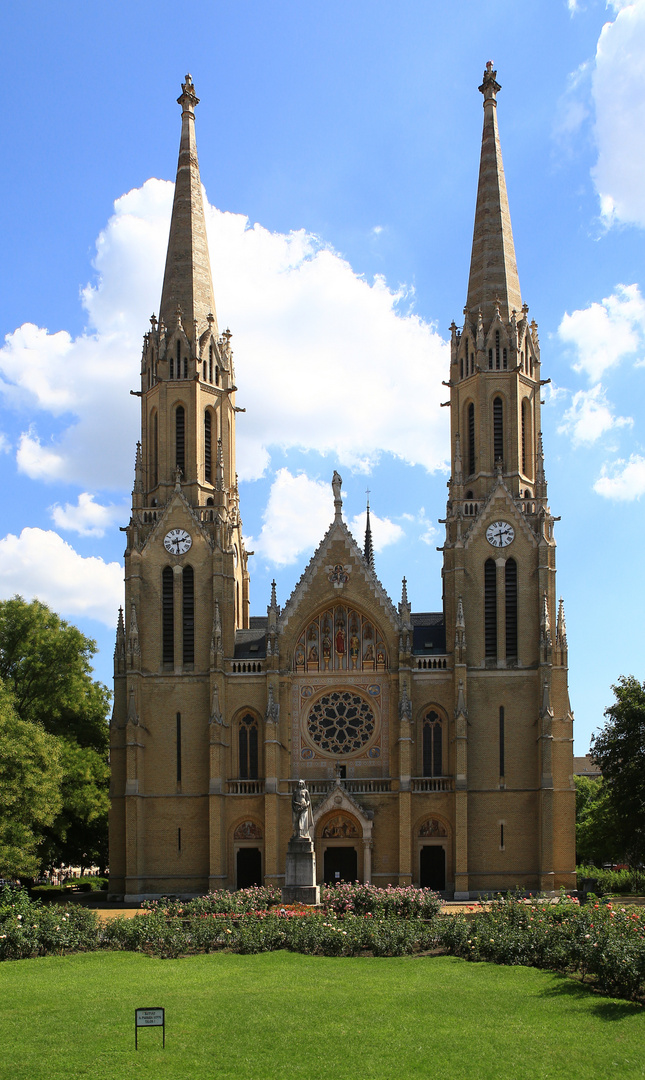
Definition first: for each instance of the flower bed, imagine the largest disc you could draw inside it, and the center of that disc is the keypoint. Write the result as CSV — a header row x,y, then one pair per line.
x,y
603,944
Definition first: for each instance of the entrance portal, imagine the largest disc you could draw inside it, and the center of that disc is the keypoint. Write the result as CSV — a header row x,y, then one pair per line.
x,y
432,867
249,867
341,864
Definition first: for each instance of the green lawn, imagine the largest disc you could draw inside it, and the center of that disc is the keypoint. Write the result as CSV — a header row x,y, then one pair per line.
x,y
308,1018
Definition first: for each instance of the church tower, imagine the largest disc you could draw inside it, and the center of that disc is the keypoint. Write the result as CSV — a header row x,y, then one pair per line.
x,y
514,749
186,576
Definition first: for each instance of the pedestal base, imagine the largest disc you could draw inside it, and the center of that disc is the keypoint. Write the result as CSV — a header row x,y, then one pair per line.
x,y
300,873
301,894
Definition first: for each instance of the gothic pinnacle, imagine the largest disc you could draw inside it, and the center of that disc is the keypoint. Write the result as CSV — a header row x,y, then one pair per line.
x,y
368,550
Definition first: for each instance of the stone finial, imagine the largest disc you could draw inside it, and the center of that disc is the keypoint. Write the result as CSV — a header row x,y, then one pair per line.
x,y
188,98
274,598
404,592
561,627
490,87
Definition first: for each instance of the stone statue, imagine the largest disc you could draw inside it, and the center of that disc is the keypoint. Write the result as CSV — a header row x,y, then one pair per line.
x,y
301,814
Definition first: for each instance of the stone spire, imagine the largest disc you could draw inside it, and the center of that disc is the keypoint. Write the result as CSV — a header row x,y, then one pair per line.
x,y
187,282
493,268
368,550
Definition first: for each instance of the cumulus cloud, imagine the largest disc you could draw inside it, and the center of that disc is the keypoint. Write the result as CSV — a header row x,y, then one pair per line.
x,y
298,513
39,563
624,480
88,518
384,531
620,115
324,359
604,333
590,416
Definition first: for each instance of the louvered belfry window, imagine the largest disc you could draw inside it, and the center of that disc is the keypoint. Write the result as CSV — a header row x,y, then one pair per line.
x,y
498,430
471,439
490,609
188,615
510,586
208,447
180,438
168,616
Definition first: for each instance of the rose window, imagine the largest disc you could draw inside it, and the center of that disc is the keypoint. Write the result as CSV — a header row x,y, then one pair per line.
x,y
341,722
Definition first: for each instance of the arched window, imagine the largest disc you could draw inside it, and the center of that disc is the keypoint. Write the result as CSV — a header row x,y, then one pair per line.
x,y
432,745
504,359
188,615
172,368
471,439
208,447
216,375
210,363
178,359
472,363
490,359
461,367
498,430
180,438
168,617
205,371
465,358
490,610
247,744
154,449
185,367
510,588
497,350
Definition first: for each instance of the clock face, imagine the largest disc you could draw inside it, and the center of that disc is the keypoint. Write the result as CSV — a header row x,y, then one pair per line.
x,y
500,534
177,541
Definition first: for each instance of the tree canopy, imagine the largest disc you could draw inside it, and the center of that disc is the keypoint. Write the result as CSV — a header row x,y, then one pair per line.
x,y
619,751
50,697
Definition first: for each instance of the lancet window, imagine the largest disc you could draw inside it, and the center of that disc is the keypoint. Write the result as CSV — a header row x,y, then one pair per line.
x,y
208,446
340,639
432,744
471,439
498,430
247,746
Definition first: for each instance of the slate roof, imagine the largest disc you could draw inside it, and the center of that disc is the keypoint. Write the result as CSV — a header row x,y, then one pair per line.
x,y
428,633
251,644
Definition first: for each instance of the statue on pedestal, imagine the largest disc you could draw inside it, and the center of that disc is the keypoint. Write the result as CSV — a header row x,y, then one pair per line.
x,y
301,814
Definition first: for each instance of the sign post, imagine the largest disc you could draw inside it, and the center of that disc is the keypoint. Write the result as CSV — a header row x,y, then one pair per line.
x,y
149,1018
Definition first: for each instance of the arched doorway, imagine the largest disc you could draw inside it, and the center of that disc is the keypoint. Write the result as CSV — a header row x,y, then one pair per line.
x,y
432,847
247,840
340,838
432,867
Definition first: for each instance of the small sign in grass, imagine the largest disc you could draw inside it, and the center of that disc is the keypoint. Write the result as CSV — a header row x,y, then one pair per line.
x,y
144,1018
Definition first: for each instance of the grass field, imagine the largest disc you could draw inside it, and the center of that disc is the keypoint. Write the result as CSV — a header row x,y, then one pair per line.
x,y
307,1018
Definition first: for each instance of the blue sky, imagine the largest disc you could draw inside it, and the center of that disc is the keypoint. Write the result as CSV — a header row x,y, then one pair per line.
x,y
339,148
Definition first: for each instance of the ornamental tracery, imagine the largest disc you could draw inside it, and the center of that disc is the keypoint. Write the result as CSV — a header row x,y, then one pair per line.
x,y
340,639
341,722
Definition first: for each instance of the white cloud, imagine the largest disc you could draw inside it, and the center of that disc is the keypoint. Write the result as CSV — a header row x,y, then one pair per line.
x,y
625,480
324,359
617,89
298,513
384,531
574,6
429,531
87,518
602,334
5,445
39,563
37,461
590,416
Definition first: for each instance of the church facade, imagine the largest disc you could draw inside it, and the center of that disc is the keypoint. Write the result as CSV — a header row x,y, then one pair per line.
x,y
437,747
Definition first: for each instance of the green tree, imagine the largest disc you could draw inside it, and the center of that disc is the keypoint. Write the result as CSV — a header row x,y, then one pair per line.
x,y
46,664
597,840
619,750
30,789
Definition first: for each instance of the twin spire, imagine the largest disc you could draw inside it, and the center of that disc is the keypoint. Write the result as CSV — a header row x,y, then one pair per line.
x,y
187,282
493,268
